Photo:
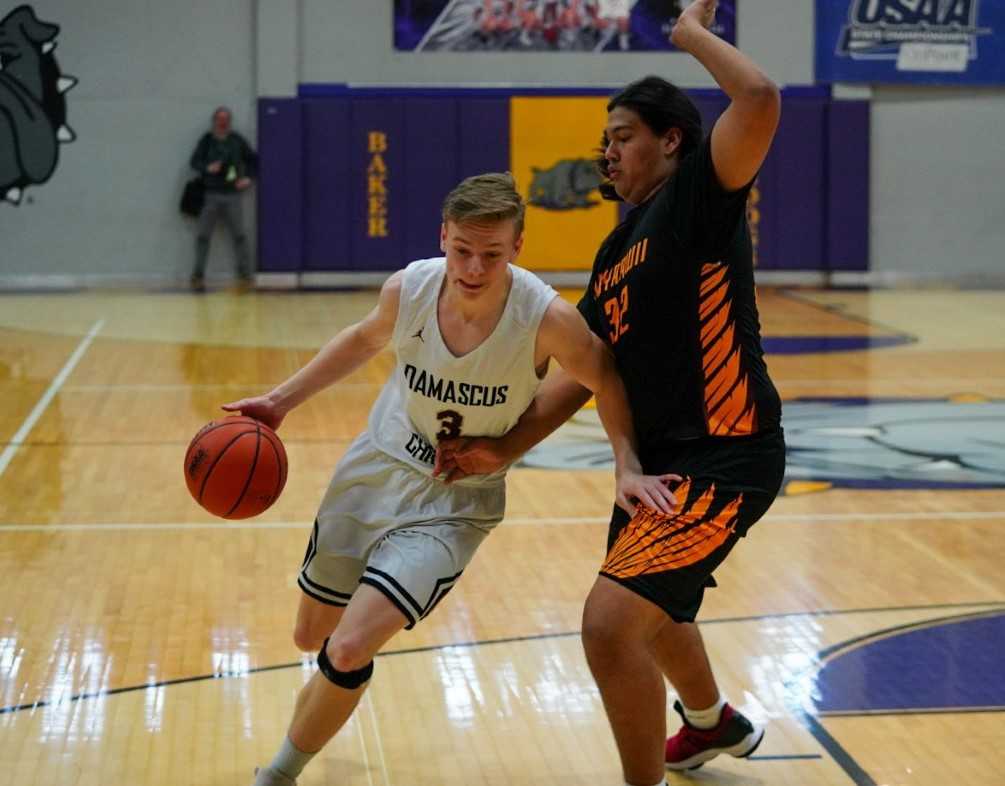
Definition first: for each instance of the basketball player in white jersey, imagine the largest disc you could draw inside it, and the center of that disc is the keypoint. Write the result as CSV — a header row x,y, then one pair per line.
x,y
472,335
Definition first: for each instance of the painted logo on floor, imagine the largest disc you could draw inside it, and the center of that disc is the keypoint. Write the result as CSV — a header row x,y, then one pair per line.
x,y
954,666
956,443
32,103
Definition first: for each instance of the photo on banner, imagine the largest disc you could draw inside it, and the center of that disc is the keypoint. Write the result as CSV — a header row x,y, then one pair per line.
x,y
545,25
913,41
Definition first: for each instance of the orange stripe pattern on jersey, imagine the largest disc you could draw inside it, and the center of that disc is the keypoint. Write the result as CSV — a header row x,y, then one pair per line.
x,y
728,409
654,542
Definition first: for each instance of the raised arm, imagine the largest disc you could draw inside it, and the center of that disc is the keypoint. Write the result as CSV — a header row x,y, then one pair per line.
x,y
742,135
348,350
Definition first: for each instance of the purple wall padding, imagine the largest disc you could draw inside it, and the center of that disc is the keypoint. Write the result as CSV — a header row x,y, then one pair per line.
x,y
847,215
431,166
384,116
432,142
764,200
795,189
280,185
326,185
767,225
314,207
763,223
483,135
709,107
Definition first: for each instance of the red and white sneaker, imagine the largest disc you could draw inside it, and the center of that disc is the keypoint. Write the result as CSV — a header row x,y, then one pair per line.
x,y
689,748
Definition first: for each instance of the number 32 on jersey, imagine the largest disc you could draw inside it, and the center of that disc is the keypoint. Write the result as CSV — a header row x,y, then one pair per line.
x,y
616,309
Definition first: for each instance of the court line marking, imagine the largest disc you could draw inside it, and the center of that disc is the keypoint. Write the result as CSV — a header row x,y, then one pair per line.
x,y
362,745
810,722
840,311
376,736
810,518
992,709
990,605
132,386
81,443
829,743
811,719
954,382
29,423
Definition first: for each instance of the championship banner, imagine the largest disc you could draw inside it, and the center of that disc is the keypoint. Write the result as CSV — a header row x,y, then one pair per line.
x,y
915,41
545,25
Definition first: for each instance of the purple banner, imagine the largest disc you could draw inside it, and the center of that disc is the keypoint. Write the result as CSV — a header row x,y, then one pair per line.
x,y
545,25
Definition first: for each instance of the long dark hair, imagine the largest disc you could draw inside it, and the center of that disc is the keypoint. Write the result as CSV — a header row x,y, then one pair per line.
x,y
662,106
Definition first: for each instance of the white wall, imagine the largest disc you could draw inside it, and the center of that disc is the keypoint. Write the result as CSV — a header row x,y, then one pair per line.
x,y
151,73
938,184
150,76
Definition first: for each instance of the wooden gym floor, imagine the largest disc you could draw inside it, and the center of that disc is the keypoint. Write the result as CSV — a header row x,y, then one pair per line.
x,y
144,642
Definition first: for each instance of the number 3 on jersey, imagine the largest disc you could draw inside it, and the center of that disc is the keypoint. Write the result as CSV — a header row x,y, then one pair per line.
x,y
616,309
450,422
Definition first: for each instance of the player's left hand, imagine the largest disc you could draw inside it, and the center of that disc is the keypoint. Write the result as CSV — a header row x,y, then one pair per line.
x,y
650,490
242,183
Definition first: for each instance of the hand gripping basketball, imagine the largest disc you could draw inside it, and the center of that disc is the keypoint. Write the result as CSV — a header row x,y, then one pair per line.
x,y
235,467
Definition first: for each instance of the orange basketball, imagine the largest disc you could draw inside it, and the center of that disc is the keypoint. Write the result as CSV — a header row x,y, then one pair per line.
x,y
235,467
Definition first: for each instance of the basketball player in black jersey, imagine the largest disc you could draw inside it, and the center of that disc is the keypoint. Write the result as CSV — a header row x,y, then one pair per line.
x,y
672,294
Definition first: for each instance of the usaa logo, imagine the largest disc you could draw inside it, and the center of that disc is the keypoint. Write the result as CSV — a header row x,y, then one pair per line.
x,y
32,103
877,28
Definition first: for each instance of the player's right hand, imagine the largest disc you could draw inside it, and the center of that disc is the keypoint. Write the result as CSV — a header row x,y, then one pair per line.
x,y
261,408
701,12
214,167
464,456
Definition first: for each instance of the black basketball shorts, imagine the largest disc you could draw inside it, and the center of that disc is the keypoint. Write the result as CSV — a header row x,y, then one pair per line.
x,y
729,483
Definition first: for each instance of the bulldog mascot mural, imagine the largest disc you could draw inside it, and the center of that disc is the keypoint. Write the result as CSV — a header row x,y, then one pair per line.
x,y
32,103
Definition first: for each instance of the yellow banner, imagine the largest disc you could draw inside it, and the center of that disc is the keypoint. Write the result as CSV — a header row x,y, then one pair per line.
x,y
553,142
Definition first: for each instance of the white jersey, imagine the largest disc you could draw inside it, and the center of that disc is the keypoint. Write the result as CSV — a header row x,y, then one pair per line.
x,y
433,394
614,9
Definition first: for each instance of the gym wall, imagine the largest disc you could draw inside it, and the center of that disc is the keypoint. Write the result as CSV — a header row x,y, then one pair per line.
x,y
150,74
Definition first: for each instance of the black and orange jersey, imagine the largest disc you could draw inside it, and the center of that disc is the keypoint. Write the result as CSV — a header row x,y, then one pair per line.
x,y
672,294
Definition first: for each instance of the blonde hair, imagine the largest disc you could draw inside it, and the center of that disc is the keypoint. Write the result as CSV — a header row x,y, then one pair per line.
x,y
489,197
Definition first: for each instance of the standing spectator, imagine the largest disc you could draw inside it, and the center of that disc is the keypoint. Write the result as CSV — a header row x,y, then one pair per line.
x,y
227,163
